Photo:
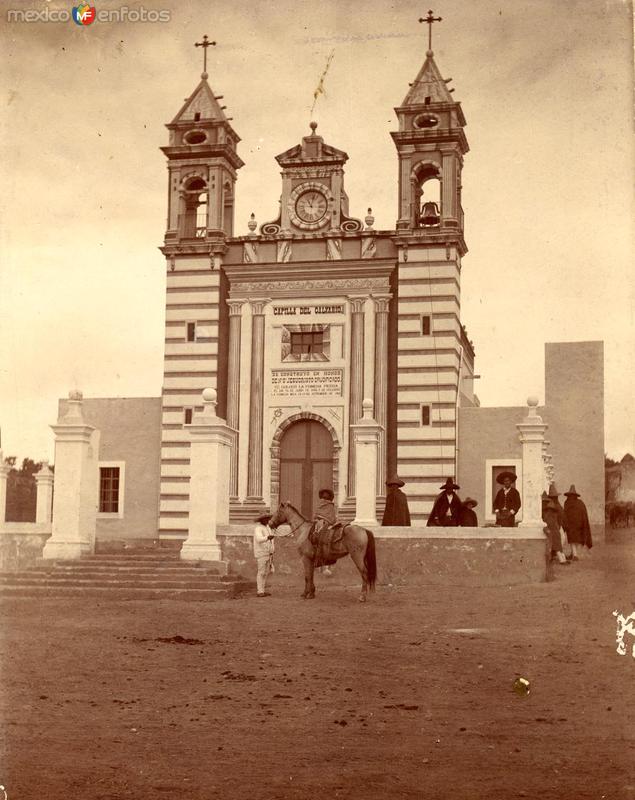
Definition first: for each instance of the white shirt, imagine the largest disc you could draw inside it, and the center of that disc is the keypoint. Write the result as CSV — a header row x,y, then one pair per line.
x,y
262,545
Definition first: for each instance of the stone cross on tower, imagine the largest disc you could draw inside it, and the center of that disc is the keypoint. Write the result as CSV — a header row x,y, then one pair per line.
x,y
430,19
204,44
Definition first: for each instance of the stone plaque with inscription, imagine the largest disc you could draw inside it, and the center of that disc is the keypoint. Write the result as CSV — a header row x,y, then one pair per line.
x,y
306,382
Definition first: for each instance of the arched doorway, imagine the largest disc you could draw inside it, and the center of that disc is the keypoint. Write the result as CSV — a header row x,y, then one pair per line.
x,y
306,464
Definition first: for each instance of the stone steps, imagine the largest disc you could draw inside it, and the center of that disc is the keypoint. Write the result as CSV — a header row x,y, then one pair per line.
x,y
113,593
127,576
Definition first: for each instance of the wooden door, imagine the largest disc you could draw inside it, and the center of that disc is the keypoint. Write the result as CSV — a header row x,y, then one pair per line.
x,y
306,465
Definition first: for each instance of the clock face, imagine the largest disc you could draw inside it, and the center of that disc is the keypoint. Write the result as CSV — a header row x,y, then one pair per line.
x,y
311,206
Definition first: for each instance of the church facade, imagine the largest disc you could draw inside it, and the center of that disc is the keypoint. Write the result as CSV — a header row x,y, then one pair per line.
x,y
295,324
313,316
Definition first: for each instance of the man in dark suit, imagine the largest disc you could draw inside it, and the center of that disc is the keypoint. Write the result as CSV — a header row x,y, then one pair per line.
x,y
507,501
446,511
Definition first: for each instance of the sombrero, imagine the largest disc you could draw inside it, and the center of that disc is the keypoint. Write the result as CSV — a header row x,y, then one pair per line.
x,y
507,474
553,492
395,481
572,491
470,502
449,484
264,518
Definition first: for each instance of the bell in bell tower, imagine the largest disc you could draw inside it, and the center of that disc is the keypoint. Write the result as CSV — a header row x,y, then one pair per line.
x,y
202,166
431,144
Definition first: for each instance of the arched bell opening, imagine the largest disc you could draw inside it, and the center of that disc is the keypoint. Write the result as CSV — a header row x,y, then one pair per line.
x,y
426,196
195,204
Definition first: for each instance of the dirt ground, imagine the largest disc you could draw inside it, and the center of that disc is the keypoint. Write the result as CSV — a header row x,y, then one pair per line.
x,y
407,696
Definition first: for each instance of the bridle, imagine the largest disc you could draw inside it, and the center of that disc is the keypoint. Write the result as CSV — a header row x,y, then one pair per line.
x,y
297,527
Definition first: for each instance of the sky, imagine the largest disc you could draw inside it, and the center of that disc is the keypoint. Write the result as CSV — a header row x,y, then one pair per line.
x,y
545,86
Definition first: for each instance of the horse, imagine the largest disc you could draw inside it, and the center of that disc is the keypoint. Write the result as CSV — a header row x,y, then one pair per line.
x,y
357,542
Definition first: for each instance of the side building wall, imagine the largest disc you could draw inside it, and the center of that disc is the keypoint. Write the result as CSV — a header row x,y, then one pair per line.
x,y
130,430
574,411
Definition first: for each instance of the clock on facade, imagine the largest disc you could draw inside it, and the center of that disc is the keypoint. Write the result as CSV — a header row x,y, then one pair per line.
x,y
309,206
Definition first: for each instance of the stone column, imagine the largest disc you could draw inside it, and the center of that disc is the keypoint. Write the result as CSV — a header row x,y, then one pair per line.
x,y
210,446
356,390
366,435
44,484
254,467
545,463
4,472
531,432
449,188
233,389
381,386
76,484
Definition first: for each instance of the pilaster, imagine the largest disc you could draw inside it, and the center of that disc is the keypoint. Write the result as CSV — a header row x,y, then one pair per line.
x,y
381,385
531,432
76,496
210,445
356,388
254,468
44,502
233,389
4,472
366,434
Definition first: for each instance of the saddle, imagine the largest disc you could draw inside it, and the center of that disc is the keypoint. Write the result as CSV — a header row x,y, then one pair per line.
x,y
325,540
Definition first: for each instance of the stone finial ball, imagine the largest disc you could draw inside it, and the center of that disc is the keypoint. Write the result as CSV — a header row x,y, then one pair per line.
x,y
367,405
75,394
313,126
209,395
532,401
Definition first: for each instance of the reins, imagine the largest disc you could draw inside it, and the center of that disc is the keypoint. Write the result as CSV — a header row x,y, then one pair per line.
x,y
297,527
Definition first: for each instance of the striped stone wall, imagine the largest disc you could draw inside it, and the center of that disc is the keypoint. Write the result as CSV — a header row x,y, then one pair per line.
x,y
427,373
189,367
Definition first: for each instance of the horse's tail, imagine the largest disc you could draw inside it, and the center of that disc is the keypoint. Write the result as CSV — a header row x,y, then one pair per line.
x,y
370,561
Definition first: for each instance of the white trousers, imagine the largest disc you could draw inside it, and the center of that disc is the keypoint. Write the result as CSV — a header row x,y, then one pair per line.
x,y
265,564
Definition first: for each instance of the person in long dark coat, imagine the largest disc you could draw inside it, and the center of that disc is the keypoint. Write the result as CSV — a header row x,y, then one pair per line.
x,y
576,522
552,517
396,511
446,511
507,501
468,515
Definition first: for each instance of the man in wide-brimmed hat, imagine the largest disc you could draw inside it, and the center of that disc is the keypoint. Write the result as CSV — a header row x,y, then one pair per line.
x,y
446,511
507,500
576,523
263,552
396,511
468,515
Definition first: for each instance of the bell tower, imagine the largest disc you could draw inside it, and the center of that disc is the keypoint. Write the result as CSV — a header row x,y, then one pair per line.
x,y
202,166
434,356
431,144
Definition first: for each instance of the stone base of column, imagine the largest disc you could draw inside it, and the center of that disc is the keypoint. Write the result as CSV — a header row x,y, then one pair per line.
x,y
535,523
346,511
365,523
246,511
202,551
66,550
